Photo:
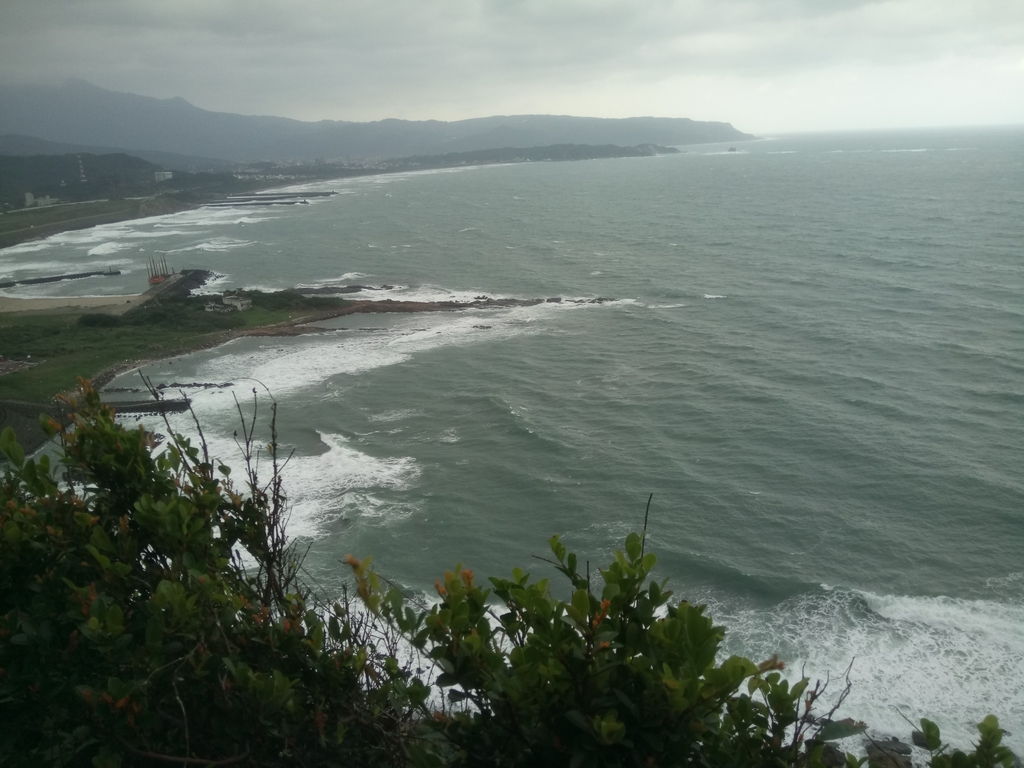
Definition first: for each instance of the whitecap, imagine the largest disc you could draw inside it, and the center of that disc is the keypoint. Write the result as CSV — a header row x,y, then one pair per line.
x,y
714,296
952,660
311,360
32,247
107,248
330,281
340,482
395,414
62,267
217,244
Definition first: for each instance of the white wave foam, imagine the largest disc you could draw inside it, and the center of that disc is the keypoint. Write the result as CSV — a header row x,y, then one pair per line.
x,y
998,622
334,280
108,248
340,483
211,286
395,414
1011,585
221,217
207,217
311,360
903,150
61,267
217,244
36,245
670,306
951,660
422,293
714,296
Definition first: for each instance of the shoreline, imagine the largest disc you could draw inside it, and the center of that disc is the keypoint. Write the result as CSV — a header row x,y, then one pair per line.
x,y
165,204
115,304
299,326
21,415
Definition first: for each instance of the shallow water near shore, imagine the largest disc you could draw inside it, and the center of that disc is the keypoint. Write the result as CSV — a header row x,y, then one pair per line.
x,y
815,362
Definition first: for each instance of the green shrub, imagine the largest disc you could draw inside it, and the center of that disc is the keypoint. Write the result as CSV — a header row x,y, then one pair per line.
x,y
151,612
130,627
613,676
989,751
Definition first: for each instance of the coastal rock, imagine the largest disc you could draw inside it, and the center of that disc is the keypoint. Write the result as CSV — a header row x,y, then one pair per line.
x,y
887,760
893,746
917,737
888,754
831,755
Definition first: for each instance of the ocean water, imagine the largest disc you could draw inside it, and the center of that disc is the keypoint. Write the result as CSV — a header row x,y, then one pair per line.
x,y
814,360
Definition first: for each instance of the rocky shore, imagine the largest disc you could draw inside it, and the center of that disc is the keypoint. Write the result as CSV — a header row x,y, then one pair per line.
x,y
303,325
888,751
307,323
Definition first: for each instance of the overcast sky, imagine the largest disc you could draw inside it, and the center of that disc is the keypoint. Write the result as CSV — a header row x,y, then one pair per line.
x,y
763,65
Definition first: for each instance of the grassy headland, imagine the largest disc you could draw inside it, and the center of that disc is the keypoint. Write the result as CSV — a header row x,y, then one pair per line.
x,y
67,346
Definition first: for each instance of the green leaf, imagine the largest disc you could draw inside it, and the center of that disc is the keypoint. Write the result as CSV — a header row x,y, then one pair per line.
x,y
115,618
931,733
10,448
633,546
989,727
581,602
103,560
12,532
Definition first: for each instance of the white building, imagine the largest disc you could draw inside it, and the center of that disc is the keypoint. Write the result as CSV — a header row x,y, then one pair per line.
x,y
239,303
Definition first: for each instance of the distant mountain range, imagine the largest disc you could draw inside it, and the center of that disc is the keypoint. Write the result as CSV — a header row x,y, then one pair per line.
x,y
12,144
79,117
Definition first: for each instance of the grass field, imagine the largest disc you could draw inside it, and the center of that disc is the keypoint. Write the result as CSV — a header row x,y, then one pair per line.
x,y
38,217
73,345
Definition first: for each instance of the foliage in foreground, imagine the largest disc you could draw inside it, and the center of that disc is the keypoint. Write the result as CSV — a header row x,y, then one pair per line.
x,y
151,612
130,627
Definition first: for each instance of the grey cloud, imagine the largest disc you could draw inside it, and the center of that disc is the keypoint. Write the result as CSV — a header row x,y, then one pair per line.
x,y
358,58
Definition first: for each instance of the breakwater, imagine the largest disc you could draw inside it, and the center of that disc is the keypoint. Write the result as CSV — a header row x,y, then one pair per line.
x,y
59,278
267,198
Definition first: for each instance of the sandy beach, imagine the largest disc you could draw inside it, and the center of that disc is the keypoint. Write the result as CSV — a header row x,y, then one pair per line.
x,y
114,305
